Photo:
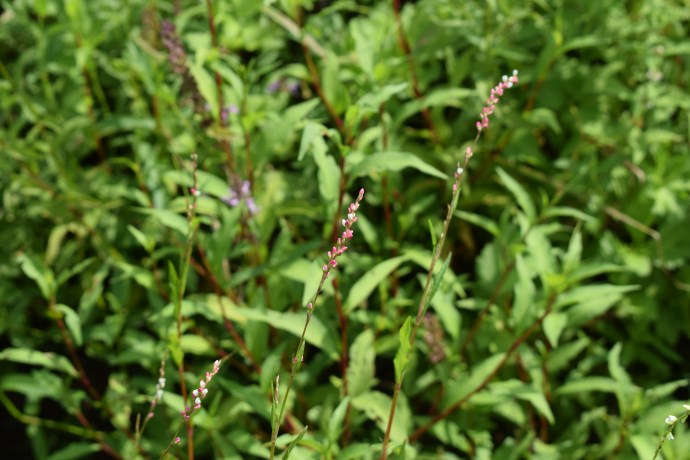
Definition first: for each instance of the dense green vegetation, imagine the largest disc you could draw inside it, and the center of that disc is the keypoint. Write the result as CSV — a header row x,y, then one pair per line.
x,y
174,174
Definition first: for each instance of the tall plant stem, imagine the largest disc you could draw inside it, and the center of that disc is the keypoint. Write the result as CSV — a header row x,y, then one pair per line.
x,y
426,294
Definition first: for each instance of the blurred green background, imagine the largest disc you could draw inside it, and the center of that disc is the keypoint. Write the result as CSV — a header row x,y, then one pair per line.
x,y
569,249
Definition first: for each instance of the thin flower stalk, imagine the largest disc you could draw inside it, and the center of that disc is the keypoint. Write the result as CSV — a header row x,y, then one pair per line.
x,y
671,421
157,397
336,251
484,120
198,395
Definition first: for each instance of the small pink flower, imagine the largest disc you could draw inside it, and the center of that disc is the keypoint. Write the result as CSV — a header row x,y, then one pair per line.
x,y
200,393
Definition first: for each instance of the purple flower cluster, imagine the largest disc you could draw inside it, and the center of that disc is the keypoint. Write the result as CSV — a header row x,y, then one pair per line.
x,y
176,54
281,84
235,197
227,110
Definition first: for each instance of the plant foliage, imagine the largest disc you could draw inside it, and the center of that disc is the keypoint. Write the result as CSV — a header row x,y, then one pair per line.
x,y
174,173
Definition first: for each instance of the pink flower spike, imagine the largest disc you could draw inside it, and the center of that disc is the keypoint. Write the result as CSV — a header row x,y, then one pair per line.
x,y
177,440
495,95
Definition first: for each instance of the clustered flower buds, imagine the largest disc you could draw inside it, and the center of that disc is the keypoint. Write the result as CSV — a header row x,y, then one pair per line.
x,y
157,398
340,247
173,43
460,170
160,386
672,419
201,392
496,93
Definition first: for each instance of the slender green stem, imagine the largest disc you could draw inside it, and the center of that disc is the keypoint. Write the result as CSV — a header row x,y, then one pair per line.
x,y
338,249
426,293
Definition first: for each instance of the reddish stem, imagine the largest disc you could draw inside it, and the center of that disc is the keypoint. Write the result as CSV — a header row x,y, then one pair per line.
x,y
344,358
407,50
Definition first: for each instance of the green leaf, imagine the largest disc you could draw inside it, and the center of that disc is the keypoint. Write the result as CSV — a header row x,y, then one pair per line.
x,y
644,445
144,240
392,161
364,286
563,356
37,384
360,369
448,97
335,423
541,117
554,324
336,92
538,400
444,304
76,451
307,272
328,176
72,321
591,269
524,294
371,102
402,357
438,278
572,258
588,385
208,184
617,371
74,270
582,294
432,232
542,253
480,221
377,407
469,382
294,442
312,140
585,311
317,334
37,358
168,218
34,268
556,211
207,87
521,196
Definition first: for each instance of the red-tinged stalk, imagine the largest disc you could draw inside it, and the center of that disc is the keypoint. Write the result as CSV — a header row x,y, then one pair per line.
x,y
338,249
198,395
459,175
